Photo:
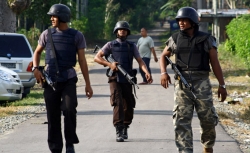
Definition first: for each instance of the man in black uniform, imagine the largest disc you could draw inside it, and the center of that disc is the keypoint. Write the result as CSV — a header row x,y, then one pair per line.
x,y
67,43
122,97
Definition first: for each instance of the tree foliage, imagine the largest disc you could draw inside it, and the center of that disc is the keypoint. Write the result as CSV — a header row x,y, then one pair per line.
x,y
39,8
138,13
239,34
174,6
101,15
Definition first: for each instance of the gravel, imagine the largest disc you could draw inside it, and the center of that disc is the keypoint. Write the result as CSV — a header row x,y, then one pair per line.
x,y
22,115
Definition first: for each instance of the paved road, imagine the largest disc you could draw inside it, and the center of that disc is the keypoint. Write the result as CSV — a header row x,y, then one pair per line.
x,y
150,132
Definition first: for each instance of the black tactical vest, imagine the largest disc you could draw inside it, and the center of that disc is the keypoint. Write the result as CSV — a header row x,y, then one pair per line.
x,y
65,49
123,53
190,53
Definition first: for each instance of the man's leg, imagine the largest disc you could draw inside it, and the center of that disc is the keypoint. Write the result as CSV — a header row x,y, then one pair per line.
x,y
182,117
69,104
128,107
117,102
53,103
207,115
147,62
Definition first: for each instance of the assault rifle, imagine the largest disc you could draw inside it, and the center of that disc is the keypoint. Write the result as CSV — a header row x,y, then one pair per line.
x,y
47,78
180,77
121,69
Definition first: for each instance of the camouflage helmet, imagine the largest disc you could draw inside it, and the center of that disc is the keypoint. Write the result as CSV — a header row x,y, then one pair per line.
x,y
61,11
188,12
121,25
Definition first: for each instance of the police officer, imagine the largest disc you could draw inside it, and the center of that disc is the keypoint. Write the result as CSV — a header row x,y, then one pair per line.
x,y
194,51
67,43
122,97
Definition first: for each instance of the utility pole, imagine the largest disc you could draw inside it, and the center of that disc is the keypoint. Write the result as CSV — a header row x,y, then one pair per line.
x,y
216,28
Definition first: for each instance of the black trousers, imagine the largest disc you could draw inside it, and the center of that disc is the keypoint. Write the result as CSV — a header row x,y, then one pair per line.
x,y
122,98
63,100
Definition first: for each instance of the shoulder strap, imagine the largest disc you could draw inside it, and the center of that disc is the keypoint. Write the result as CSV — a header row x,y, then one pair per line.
x,y
53,50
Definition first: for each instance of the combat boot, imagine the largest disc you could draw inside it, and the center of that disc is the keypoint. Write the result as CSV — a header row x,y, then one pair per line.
x,y
125,132
119,129
207,150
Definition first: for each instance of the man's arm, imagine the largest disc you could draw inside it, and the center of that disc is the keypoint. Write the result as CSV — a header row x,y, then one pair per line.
x,y
213,55
153,51
99,59
36,60
165,78
84,68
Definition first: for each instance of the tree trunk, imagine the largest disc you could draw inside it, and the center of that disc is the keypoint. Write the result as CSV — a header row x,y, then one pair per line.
x,y
7,18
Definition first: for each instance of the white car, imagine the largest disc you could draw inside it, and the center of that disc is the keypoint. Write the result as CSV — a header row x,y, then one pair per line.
x,y
11,87
17,55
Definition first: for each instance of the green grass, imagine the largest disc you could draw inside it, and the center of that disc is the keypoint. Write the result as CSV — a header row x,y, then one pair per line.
x,y
33,99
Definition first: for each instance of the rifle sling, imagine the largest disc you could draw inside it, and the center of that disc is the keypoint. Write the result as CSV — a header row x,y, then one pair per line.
x,y
53,51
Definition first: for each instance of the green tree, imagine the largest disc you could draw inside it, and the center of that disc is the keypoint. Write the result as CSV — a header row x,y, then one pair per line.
x,y
9,10
138,13
95,16
172,6
39,8
239,42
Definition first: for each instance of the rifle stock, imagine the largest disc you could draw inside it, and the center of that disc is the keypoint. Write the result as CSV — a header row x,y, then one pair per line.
x,y
180,76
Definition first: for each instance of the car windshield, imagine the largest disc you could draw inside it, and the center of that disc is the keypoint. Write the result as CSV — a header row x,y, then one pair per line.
x,y
15,46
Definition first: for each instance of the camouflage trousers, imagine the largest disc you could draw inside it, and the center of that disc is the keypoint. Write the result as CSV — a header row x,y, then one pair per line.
x,y
183,114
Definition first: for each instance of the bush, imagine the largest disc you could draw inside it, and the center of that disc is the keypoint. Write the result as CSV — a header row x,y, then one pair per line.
x,y
32,35
239,34
80,24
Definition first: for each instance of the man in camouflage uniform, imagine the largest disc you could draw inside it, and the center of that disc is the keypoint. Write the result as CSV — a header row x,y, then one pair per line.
x,y
194,51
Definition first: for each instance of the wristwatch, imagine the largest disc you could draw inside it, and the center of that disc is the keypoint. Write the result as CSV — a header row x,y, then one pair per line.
x,y
33,68
222,86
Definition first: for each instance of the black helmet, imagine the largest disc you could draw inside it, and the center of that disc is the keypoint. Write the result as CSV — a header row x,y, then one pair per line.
x,y
60,10
121,25
188,12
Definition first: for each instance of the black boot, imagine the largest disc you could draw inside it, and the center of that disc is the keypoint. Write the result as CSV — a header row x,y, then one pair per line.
x,y
125,132
70,148
119,129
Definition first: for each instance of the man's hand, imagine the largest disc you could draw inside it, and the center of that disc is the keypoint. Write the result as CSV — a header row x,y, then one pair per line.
x,y
88,91
39,76
156,59
222,93
113,66
149,78
165,80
